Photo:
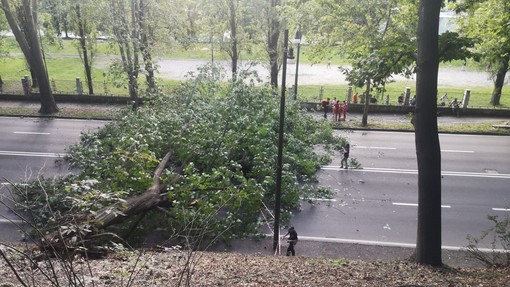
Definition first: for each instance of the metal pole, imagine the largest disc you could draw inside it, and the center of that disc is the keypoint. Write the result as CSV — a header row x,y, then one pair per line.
x,y
279,160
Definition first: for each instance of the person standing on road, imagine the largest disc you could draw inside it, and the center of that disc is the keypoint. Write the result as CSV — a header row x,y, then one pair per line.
x,y
443,100
293,239
325,105
336,110
344,110
345,159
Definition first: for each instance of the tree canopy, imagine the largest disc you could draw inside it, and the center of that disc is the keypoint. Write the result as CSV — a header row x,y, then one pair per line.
x,y
222,144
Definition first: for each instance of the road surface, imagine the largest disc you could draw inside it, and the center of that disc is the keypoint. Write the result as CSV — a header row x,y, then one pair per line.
x,y
378,204
373,204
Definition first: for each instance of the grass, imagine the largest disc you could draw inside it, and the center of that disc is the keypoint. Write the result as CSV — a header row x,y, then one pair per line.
x,y
460,128
64,70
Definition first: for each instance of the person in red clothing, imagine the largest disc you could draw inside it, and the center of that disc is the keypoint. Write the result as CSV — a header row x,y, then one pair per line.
x,y
344,110
336,110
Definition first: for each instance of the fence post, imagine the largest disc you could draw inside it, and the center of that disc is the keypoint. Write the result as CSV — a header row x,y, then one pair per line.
x,y
79,87
25,83
408,95
349,94
465,100
321,93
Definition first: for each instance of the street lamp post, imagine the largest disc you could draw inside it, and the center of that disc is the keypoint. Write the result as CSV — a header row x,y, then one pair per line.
x,y
297,40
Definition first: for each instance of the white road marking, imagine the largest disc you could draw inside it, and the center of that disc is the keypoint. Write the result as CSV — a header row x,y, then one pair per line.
x,y
374,147
457,151
416,204
31,133
501,209
3,220
319,199
381,243
33,154
413,171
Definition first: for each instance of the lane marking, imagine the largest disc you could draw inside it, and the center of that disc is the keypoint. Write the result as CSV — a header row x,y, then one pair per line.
x,y
413,171
33,154
383,243
374,147
457,151
3,220
31,133
501,209
416,204
318,199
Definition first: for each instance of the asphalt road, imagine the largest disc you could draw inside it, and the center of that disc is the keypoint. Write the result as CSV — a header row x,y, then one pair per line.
x,y
378,204
30,147
373,204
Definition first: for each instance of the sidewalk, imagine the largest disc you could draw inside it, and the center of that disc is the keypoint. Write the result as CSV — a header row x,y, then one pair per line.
x,y
402,118
338,250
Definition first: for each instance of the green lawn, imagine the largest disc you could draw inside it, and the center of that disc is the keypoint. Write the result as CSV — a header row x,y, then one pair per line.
x,y
63,70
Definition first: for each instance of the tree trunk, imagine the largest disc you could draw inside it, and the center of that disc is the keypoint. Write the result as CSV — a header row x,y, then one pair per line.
x,y
428,244
272,40
82,26
500,80
364,120
28,41
117,213
234,40
145,48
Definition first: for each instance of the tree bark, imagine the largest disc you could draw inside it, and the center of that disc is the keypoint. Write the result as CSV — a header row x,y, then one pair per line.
x,y
28,41
117,213
272,42
234,55
428,245
364,120
87,61
500,80
145,48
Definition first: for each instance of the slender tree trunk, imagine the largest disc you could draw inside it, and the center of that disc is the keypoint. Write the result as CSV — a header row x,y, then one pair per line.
x,y
428,244
82,26
234,40
364,120
273,38
145,48
500,80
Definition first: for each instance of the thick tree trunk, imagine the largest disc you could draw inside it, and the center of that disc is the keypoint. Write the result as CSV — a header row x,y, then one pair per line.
x,y
28,41
428,245
500,80
117,213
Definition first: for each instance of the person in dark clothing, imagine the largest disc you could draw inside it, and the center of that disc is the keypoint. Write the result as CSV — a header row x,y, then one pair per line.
x,y
293,239
345,159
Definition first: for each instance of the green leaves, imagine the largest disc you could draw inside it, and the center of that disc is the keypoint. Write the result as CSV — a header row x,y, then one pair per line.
x,y
224,141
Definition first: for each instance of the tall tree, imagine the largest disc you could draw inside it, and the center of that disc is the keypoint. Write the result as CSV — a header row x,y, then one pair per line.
x,y
373,35
273,36
428,244
26,33
86,38
488,23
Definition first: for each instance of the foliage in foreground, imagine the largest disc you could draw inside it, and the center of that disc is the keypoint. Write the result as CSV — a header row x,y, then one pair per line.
x,y
498,235
223,140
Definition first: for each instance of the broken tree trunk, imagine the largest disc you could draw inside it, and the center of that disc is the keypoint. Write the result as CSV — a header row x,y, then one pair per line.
x,y
152,198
